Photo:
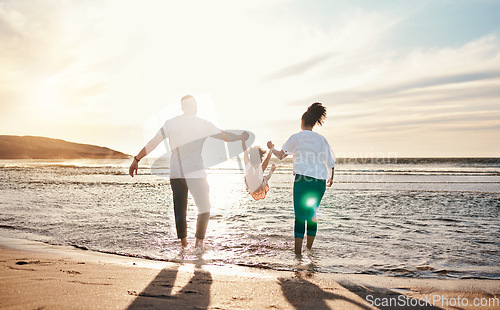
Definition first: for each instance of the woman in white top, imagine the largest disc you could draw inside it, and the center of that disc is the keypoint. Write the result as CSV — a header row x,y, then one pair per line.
x,y
313,166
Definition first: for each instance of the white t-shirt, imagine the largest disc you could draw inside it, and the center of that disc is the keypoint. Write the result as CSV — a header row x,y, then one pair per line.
x,y
186,135
312,155
254,177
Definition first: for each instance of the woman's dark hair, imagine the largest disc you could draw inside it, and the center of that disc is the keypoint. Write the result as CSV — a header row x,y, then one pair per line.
x,y
315,114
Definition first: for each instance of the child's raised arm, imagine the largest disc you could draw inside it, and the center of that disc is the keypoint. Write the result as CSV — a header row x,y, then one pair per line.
x,y
266,161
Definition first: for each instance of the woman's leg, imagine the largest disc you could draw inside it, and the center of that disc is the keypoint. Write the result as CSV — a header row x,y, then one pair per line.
x,y
300,213
317,187
298,246
310,240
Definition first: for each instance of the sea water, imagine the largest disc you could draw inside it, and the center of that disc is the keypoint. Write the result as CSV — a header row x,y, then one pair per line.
x,y
435,218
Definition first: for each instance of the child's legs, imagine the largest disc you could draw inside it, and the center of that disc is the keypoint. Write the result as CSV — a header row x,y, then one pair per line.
x,y
268,176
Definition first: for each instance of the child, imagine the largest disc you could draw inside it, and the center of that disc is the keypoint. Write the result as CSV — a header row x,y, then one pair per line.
x,y
254,171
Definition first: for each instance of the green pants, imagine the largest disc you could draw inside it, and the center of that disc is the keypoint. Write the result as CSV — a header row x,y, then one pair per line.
x,y
307,194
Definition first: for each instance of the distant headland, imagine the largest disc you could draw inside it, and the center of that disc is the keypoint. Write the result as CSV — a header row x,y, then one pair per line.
x,y
32,147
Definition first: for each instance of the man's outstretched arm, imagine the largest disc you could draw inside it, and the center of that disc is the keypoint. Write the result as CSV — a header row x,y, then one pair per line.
x,y
150,146
230,137
245,153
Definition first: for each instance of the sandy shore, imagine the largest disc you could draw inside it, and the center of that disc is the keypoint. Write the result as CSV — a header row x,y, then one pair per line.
x,y
38,276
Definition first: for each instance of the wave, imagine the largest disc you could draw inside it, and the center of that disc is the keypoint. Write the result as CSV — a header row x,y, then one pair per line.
x,y
92,163
488,161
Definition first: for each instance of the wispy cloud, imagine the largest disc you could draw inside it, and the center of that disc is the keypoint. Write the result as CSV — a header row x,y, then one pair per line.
x,y
437,91
300,67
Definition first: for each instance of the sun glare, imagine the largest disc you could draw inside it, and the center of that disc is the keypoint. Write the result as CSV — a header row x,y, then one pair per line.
x,y
44,98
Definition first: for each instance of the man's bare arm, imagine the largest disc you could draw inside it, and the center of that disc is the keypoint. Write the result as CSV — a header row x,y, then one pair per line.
x,y
228,136
245,153
150,146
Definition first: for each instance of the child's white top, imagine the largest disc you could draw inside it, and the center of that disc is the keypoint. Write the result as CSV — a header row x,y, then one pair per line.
x,y
254,177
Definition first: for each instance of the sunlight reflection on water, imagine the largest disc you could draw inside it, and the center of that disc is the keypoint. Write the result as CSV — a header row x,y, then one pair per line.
x,y
416,225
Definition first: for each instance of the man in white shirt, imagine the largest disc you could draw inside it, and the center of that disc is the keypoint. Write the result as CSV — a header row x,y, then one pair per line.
x,y
186,135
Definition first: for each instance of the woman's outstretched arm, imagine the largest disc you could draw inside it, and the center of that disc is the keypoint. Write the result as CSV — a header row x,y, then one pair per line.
x,y
279,154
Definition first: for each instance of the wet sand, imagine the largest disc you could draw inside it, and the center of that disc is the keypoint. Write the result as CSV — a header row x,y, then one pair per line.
x,y
39,276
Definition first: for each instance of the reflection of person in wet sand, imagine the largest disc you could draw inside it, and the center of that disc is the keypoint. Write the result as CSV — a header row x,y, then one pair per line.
x,y
186,134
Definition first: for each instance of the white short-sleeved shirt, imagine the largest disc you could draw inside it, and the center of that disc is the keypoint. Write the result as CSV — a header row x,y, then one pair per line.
x,y
312,155
254,177
186,135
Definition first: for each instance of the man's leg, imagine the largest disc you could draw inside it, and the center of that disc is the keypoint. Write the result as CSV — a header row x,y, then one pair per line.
x,y
201,193
180,195
201,228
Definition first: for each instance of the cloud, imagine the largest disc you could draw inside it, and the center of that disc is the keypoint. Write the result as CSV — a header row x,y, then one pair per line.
x,y
300,67
446,94
348,37
31,42
408,89
437,75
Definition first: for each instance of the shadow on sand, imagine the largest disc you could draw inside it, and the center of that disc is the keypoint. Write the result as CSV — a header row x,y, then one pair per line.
x,y
399,301
303,294
298,290
159,293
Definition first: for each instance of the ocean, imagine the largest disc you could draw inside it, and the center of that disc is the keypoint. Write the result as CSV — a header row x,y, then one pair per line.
x,y
423,218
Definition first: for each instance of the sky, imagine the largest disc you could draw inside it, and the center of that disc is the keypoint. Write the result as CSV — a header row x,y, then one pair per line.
x,y
399,78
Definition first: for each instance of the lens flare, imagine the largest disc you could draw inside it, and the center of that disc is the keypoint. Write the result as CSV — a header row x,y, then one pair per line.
x,y
311,202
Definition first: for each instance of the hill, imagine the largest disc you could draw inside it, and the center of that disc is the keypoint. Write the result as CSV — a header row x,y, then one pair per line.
x,y
31,147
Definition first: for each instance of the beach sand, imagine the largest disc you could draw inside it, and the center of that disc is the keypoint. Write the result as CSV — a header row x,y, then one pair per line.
x,y
39,276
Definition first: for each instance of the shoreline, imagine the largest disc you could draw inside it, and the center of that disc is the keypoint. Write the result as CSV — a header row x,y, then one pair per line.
x,y
39,275
23,242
